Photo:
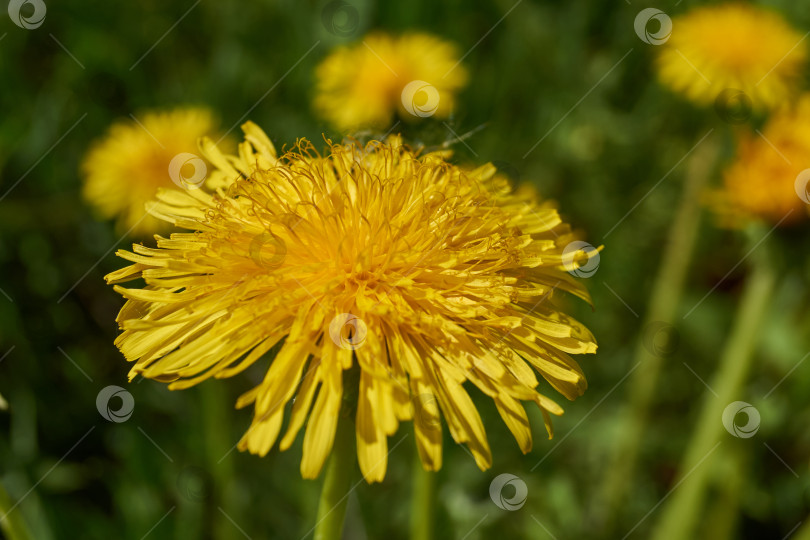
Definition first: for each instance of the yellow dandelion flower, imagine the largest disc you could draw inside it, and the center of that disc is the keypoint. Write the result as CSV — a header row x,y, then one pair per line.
x,y
123,170
766,180
363,85
733,46
381,274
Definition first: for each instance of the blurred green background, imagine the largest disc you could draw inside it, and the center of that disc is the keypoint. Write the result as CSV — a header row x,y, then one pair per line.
x,y
170,471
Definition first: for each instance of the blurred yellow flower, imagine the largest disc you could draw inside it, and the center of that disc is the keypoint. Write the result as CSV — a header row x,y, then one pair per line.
x,y
123,170
733,46
766,179
384,277
363,85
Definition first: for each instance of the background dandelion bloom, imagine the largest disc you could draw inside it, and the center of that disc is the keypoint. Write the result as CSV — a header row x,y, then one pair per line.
x,y
360,86
123,170
732,46
762,180
402,269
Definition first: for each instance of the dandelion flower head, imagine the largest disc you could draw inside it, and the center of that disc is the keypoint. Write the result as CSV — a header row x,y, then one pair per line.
x,y
124,169
377,272
733,46
768,179
363,85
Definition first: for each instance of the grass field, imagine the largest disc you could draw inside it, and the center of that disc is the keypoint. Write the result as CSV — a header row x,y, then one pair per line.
x,y
562,96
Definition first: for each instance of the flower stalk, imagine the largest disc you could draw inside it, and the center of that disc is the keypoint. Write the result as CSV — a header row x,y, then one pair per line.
x,y
336,484
423,501
664,301
11,523
683,509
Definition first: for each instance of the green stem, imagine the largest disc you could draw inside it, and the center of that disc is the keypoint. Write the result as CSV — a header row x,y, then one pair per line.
x,y
729,482
662,310
423,501
337,484
215,410
11,522
804,531
683,509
